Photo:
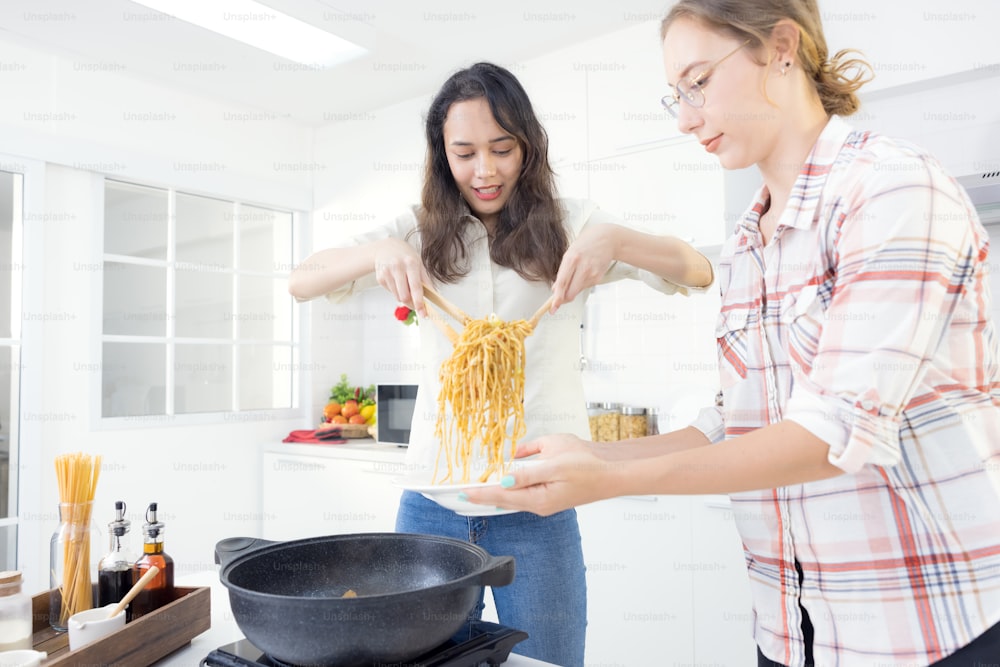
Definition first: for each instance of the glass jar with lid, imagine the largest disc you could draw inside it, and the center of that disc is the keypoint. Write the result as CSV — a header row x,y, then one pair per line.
x,y
652,421
594,411
607,422
633,423
15,613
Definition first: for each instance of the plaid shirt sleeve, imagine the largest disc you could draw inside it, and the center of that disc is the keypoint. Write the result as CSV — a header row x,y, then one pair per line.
x,y
903,264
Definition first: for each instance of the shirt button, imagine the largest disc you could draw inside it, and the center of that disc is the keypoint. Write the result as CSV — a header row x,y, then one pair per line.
x,y
867,404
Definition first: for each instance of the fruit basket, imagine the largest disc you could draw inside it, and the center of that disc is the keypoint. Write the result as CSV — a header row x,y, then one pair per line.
x,y
350,409
343,430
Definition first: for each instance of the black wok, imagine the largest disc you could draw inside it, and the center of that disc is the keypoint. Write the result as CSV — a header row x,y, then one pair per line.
x,y
413,593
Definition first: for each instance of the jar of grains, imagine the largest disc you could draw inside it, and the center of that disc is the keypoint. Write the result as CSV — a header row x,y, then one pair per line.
x,y
607,422
594,411
634,423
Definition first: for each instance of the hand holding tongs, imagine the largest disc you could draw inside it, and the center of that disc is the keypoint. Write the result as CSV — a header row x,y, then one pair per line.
x,y
462,317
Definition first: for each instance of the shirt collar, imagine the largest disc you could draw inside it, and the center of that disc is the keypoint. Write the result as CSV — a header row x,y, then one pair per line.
x,y
804,197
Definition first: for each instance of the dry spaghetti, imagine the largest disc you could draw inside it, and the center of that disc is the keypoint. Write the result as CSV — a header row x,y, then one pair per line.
x,y
482,388
77,476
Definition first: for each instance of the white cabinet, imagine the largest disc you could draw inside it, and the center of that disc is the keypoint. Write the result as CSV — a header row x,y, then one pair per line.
x,y
625,81
721,608
666,583
639,577
675,189
331,492
904,44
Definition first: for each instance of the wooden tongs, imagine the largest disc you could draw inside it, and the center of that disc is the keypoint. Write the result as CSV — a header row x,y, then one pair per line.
x,y
432,295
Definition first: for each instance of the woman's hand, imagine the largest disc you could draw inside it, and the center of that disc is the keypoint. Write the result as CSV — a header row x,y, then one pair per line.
x,y
567,472
399,270
585,262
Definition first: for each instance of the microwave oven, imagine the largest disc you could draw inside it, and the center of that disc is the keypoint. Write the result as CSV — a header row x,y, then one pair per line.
x,y
394,406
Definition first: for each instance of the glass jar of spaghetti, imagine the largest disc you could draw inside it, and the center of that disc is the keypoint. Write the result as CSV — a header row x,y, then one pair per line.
x,y
74,549
634,423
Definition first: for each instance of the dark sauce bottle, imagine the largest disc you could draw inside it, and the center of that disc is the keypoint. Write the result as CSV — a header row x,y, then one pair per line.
x,y
114,572
160,590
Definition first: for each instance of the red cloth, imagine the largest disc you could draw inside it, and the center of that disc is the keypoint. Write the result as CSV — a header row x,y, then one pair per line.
x,y
309,436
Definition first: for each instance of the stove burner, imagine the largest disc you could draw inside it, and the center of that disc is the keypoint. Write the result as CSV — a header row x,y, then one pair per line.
x,y
476,643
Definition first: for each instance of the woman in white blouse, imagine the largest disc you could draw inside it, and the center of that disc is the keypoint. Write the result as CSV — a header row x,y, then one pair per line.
x,y
492,237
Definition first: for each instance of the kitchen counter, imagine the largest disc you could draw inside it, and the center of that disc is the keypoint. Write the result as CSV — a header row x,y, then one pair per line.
x,y
224,629
357,448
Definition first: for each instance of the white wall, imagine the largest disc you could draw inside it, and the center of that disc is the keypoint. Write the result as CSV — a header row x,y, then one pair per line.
x,y
78,122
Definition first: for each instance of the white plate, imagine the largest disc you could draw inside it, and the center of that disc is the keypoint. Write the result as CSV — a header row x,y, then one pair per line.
x,y
446,495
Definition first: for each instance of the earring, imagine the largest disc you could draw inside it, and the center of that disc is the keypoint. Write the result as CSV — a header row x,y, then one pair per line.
x,y
784,68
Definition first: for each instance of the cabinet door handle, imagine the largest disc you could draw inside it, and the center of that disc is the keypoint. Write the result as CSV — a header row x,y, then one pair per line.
x,y
719,502
645,499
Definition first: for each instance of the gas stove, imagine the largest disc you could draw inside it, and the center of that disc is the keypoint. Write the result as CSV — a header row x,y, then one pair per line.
x,y
476,643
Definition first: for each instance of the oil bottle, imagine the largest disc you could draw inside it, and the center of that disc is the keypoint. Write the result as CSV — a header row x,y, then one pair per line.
x,y
114,572
159,591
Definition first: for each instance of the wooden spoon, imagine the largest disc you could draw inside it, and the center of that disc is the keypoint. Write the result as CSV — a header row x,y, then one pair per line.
x,y
135,590
533,322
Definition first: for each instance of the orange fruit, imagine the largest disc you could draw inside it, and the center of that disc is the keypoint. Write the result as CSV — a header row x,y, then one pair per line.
x,y
349,408
339,419
331,409
356,419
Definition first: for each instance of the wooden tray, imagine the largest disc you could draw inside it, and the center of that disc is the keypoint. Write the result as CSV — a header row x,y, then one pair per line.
x,y
141,642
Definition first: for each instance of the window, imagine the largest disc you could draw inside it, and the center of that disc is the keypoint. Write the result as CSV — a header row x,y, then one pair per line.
x,y
10,360
197,315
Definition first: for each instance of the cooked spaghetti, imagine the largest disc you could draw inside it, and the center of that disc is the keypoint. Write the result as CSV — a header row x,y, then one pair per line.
x,y
482,389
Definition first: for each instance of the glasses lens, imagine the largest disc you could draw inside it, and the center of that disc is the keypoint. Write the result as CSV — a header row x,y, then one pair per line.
x,y
691,92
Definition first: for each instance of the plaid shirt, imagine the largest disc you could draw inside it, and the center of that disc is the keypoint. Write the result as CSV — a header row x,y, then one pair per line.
x,y
865,320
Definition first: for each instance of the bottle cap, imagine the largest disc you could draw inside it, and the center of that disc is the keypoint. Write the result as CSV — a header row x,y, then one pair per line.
x,y
152,527
120,525
632,410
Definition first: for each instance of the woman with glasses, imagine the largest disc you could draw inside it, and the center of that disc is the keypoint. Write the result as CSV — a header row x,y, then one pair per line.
x,y
857,430
493,237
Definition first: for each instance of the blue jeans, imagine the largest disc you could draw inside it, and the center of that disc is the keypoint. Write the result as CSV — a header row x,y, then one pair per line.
x,y
548,597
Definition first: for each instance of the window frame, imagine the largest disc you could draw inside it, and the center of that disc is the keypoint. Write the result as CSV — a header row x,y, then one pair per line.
x,y
26,505
98,338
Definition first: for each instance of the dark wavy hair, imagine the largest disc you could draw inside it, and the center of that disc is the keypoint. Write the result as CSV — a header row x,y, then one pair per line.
x,y
529,236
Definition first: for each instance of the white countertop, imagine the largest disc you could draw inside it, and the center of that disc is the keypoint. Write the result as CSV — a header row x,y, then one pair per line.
x,y
224,629
357,448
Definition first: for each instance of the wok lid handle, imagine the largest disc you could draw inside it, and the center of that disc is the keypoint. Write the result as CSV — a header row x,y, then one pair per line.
x,y
231,548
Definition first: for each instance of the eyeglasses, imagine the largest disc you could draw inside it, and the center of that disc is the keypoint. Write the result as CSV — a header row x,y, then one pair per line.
x,y
692,90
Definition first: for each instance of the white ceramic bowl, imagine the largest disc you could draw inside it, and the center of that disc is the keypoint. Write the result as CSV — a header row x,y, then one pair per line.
x,y
446,495
92,624
22,658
